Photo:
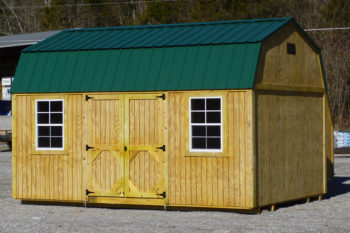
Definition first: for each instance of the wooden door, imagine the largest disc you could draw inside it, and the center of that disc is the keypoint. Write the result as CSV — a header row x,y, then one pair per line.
x,y
126,145
105,145
144,139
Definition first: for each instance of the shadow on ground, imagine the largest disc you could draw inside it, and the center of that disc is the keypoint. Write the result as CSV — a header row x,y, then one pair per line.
x,y
337,187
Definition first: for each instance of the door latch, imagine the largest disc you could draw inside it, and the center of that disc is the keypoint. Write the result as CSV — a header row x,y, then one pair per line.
x,y
125,148
161,148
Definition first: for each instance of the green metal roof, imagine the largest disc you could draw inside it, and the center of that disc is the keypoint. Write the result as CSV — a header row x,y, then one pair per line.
x,y
169,35
194,56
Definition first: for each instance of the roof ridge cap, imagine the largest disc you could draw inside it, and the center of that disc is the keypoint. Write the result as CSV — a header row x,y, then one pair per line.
x,y
286,19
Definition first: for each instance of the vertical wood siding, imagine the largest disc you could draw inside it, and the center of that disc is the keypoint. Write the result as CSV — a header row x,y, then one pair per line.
x,y
104,132
329,140
146,129
290,146
279,68
212,181
48,177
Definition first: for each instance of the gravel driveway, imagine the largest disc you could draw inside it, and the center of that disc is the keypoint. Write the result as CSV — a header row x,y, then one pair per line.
x,y
332,214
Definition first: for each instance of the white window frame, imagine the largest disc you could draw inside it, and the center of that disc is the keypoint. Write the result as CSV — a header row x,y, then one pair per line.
x,y
206,124
37,125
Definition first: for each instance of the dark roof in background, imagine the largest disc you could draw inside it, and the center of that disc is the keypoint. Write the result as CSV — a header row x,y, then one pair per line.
x,y
24,39
168,35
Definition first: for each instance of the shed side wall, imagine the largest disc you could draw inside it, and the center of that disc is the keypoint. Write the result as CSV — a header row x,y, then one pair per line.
x,y
56,177
329,140
212,181
290,146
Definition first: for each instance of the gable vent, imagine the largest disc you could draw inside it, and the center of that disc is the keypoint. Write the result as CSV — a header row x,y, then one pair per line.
x,y
291,48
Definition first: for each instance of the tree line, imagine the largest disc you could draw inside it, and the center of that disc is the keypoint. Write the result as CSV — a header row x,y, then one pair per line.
x,y
21,16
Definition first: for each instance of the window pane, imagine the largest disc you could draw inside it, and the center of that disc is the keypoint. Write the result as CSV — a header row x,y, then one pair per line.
x,y
198,130
56,142
56,130
43,106
43,118
197,104
43,142
213,143
213,131
198,117
56,118
213,117
43,131
213,104
198,143
56,106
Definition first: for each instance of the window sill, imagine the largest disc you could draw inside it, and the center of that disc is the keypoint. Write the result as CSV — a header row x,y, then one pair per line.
x,y
207,154
50,152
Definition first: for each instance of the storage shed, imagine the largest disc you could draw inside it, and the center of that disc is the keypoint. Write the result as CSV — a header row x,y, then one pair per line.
x,y
229,114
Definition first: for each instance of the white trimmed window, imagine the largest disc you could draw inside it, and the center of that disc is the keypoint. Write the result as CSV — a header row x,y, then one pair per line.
x,y
206,124
49,124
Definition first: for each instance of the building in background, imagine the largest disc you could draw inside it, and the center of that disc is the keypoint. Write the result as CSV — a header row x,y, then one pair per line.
x,y
10,50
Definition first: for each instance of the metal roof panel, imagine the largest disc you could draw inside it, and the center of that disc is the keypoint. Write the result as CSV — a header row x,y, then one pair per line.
x,y
211,33
149,69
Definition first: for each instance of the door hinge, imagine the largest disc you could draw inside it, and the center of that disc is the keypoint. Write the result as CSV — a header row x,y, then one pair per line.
x,y
88,97
88,192
162,194
87,147
161,96
161,148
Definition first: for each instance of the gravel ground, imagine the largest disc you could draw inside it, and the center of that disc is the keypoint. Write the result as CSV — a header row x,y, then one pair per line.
x,y
332,214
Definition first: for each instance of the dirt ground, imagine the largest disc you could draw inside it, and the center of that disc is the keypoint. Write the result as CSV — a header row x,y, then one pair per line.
x,y
332,214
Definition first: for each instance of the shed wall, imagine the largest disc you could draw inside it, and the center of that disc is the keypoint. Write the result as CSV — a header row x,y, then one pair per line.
x,y
290,146
212,181
47,176
329,140
281,69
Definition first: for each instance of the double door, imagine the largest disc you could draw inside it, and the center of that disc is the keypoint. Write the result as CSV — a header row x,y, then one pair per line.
x,y
126,145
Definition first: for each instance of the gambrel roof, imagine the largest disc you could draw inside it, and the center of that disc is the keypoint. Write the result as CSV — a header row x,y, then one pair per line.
x,y
191,56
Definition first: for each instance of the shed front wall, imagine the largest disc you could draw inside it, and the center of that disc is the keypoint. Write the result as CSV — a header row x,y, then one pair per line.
x,y
215,181
41,176
208,179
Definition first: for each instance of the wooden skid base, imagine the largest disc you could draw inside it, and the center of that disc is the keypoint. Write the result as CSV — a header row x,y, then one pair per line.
x,y
126,201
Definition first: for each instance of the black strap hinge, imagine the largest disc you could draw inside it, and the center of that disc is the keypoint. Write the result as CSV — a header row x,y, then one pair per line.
x,y
162,194
88,192
161,148
88,97
161,96
87,147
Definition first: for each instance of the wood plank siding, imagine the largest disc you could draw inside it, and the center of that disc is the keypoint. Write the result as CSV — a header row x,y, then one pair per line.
x,y
329,140
290,151
293,135
212,181
277,68
48,175
224,180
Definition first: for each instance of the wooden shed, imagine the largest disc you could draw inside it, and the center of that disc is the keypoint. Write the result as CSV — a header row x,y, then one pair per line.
x,y
230,114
